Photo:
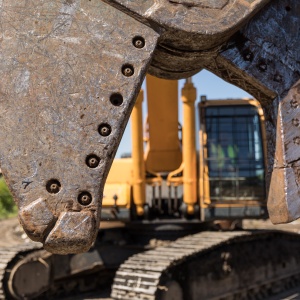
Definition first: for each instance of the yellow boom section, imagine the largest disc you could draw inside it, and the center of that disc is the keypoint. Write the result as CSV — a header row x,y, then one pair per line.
x,y
163,153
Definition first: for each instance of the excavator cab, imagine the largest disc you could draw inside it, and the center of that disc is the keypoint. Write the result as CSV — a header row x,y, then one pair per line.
x,y
232,168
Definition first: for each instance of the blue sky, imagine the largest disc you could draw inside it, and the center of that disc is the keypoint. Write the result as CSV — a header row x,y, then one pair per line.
x,y
207,84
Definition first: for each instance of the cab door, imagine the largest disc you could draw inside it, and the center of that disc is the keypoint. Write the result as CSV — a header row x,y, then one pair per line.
x,y
233,170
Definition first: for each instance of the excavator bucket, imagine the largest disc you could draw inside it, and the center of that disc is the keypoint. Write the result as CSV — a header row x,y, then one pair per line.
x,y
70,73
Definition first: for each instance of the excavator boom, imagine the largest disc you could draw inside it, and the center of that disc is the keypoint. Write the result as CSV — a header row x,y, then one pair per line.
x,y
70,74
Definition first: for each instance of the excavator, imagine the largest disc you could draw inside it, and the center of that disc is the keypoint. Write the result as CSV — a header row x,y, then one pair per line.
x,y
224,178
148,242
71,72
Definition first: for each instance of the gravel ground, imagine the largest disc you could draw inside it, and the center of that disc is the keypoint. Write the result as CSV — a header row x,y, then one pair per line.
x,y
12,233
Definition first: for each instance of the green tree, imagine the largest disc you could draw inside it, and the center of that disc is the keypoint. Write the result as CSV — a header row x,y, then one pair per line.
x,y
7,205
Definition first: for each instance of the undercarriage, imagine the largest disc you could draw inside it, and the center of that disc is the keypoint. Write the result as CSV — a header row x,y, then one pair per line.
x,y
208,265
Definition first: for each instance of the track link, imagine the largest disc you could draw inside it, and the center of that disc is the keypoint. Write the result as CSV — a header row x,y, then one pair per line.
x,y
212,265
8,255
30,272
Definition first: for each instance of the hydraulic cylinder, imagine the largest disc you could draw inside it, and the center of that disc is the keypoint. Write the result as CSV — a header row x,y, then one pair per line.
x,y
139,192
189,146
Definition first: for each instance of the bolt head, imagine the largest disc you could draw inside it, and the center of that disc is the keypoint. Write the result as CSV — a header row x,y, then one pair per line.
x,y
278,78
248,56
139,42
53,186
294,103
262,67
296,122
93,161
128,70
85,198
104,130
297,140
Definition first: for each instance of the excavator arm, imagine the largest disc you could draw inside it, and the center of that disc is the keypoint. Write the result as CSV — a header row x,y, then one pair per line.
x,y
70,74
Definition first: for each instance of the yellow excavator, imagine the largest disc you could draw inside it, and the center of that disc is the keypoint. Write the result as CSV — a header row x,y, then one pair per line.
x,y
151,245
71,72
171,179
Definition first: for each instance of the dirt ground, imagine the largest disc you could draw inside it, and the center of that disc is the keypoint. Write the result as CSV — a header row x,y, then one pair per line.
x,y
13,234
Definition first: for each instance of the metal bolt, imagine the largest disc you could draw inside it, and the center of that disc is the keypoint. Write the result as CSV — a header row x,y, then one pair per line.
x,y
128,70
139,42
262,66
278,78
296,122
53,186
104,130
294,103
297,140
85,198
248,55
92,161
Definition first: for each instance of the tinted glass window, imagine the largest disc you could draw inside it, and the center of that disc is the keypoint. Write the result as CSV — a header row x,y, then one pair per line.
x,y
235,153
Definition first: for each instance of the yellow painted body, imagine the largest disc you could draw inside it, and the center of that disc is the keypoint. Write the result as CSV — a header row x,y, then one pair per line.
x,y
119,183
138,163
189,147
165,158
163,151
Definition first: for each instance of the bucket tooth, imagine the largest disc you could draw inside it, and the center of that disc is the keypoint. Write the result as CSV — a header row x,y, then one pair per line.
x,y
73,232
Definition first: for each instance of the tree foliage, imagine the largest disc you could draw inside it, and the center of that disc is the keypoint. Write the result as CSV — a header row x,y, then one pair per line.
x,y
7,205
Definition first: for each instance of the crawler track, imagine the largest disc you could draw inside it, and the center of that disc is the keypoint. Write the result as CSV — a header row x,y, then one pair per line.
x,y
29,272
7,258
207,265
212,265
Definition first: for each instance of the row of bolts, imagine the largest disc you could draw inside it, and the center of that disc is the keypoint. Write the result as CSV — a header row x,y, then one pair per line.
x,y
85,198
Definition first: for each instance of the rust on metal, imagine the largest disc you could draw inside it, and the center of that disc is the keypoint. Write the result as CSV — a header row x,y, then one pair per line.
x,y
263,59
70,73
61,61
192,31
284,200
